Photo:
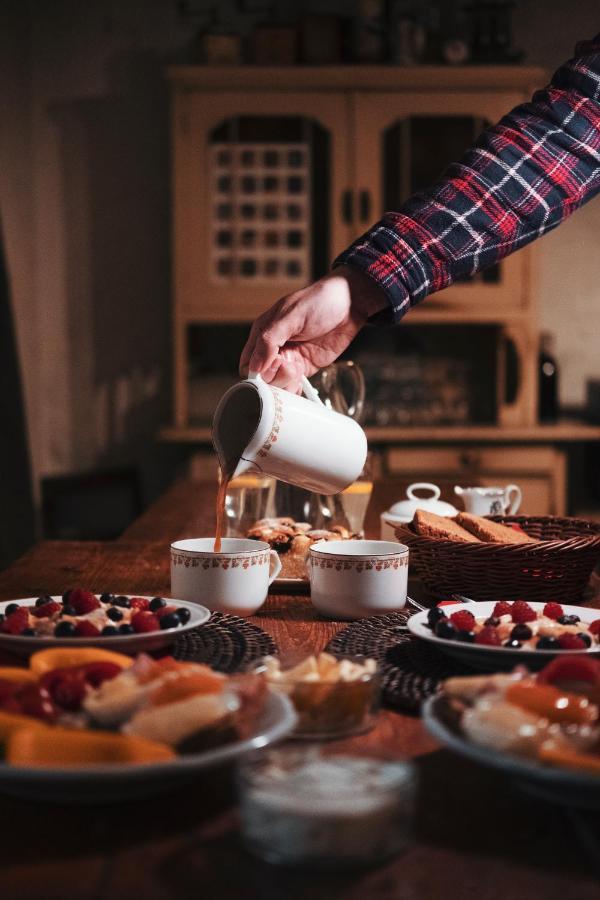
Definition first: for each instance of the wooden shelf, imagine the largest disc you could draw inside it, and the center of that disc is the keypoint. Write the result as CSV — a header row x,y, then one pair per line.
x,y
358,77
565,431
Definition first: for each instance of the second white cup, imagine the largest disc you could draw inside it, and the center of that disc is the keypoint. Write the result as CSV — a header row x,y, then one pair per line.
x,y
353,579
235,580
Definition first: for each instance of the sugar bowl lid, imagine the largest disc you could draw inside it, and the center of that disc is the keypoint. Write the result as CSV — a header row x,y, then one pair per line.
x,y
405,509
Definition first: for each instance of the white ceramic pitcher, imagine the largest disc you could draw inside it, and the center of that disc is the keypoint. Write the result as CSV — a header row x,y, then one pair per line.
x,y
490,501
261,428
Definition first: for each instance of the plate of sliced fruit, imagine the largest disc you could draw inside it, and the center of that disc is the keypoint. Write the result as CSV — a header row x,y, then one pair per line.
x,y
542,729
491,635
85,724
114,621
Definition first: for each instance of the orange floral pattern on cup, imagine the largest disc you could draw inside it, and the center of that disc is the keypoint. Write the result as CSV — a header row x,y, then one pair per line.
x,y
244,561
360,565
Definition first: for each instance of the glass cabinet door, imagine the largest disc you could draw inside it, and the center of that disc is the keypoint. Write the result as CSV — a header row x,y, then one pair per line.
x,y
262,215
414,138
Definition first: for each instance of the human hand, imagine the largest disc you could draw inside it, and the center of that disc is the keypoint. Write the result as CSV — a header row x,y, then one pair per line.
x,y
310,328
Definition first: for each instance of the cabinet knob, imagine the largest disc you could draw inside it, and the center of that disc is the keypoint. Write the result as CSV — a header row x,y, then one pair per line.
x,y
364,205
469,459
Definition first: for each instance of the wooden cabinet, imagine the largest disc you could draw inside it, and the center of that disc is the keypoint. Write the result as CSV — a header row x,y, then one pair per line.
x,y
539,472
275,171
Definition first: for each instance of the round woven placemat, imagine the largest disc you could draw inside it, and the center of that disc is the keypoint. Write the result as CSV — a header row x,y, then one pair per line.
x,y
225,643
411,670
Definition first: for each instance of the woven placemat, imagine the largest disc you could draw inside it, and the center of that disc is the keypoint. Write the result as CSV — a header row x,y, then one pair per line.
x,y
411,670
225,643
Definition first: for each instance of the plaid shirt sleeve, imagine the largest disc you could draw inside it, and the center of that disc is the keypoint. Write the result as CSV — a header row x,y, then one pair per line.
x,y
523,177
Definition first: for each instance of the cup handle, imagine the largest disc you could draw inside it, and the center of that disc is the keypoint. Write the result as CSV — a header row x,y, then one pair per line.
x,y
512,503
253,376
274,566
310,392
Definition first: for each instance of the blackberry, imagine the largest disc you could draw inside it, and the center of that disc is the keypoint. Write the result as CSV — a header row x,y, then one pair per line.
x,y
568,620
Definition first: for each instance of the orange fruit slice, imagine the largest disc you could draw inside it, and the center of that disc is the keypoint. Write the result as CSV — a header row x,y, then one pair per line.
x,y
180,685
17,675
570,759
11,722
63,657
39,747
552,703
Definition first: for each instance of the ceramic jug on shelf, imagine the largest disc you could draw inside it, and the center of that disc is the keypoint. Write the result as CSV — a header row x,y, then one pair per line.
x,y
490,501
298,440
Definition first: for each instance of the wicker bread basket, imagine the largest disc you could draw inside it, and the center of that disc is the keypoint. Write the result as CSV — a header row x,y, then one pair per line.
x,y
556,568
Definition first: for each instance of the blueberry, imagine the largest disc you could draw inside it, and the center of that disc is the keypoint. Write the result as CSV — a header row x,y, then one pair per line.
x,y
585,638
494,621
443,629
521,632
68,611
45,598
11,608
183,614
107,598
109,630
547,643
28,632
123,601
157,603
513,643
172,620
435,615
467,637
66,595
64,629
126,629
568,620
114,613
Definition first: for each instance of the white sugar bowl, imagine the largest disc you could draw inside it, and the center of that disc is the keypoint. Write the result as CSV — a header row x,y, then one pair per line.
x,y
403,511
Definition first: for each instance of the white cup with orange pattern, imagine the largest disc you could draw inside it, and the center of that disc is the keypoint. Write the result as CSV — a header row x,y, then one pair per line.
x,y
235,580
353,579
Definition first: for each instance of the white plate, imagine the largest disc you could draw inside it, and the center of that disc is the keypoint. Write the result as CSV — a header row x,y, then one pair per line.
x,y
123,643
116,783
550,782
480,656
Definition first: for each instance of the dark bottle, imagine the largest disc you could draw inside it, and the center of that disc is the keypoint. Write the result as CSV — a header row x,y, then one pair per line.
x,y
548,373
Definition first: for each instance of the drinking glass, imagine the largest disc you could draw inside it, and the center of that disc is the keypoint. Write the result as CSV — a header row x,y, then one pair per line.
x,y
355,499
246,501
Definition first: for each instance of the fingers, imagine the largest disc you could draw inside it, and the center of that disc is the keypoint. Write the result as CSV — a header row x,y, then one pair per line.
x,y
289,373
269,333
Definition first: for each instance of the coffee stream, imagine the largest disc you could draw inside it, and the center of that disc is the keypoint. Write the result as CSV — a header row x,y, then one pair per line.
x,y
221,496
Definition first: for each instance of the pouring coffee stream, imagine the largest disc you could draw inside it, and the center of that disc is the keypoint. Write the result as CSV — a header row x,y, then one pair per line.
x,y
298,440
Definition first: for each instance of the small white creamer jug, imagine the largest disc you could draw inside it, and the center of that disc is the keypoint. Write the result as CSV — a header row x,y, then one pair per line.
x,y
261,428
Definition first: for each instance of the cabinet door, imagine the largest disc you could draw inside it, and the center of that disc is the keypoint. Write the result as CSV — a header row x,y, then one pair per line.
x,y
403,143
259,184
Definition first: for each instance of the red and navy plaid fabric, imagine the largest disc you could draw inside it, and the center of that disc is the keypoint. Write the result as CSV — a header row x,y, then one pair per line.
x,y
523,177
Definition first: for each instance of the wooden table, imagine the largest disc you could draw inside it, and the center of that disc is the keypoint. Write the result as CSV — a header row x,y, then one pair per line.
x,y
475,835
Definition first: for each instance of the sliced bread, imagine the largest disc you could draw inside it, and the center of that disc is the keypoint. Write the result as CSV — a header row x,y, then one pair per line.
x,y
493,532
431,525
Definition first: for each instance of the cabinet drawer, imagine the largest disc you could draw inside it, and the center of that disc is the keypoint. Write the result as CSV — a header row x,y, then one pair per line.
x,y
472,460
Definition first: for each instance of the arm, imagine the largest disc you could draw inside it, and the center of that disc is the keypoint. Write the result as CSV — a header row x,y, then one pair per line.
x,y
522,178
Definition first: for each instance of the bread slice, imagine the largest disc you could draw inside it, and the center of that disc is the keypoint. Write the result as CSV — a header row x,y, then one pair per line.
x,y
493,532
431,525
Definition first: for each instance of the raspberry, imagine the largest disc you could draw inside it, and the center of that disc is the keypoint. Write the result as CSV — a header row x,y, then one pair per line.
x,y
565,669
97,672
522,612
571,642
15,622
594,627
139,603
83,601
46,610
144,621
463,620
165,611
66,687
553,610
86,629
34,700
502,608
489,636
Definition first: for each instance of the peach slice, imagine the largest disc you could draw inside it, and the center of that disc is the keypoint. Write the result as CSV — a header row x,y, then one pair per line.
x,y
11,722
64,657
552,703
39,747
570,759
183,683
17,675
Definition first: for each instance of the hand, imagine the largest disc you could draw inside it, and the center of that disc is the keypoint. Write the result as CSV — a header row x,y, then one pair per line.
x,y
310,328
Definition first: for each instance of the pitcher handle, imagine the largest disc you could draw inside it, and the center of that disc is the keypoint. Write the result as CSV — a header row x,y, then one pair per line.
x,y
308,390
513,504
274,565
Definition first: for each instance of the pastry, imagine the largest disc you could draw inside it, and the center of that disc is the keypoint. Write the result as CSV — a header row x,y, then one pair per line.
x,y
431,525
494,532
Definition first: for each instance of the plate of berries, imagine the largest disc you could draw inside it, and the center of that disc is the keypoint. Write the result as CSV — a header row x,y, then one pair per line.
x,y
79,617
501,634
